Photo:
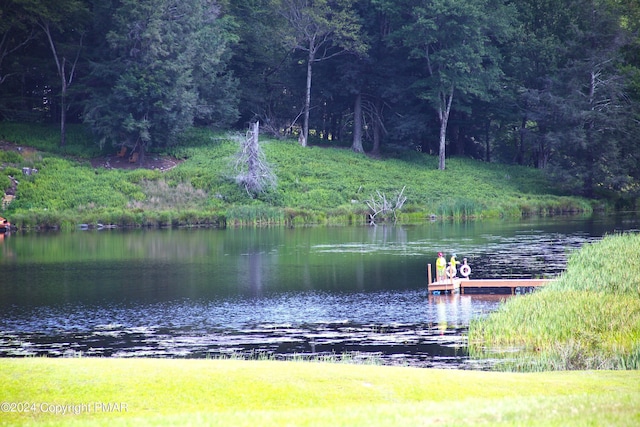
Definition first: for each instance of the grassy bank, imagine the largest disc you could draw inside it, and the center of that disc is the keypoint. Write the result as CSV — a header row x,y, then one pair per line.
x,y
588,319
145,392
315,185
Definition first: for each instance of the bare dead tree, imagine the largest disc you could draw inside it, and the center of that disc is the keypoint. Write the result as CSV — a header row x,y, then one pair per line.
x,y
66,75
278,127
323,31
381,207
254,173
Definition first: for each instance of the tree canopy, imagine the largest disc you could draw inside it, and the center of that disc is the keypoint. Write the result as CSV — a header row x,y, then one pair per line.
x,y
163,69
551,84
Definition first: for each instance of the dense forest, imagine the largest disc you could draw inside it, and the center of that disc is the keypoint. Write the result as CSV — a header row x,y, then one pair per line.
x,y
550,84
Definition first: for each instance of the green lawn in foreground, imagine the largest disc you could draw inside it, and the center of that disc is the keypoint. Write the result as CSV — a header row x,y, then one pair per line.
x,y
270,393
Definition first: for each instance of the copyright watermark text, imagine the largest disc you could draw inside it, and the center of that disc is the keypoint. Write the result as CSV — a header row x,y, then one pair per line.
x,y
63,408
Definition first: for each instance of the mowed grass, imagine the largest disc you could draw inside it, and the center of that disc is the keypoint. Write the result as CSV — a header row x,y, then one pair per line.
x,y
151,392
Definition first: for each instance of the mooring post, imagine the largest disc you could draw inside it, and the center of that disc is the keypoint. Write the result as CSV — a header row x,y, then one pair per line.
x,y
429,274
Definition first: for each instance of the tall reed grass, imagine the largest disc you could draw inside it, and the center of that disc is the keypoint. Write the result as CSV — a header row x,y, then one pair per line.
x,y
460,209
589,318
254,215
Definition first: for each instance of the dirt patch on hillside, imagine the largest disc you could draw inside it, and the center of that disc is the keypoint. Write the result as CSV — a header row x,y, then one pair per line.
x,y
10,146
151,161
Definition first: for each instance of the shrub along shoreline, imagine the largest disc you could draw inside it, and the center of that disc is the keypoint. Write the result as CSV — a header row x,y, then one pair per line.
x,y
589,318
315,185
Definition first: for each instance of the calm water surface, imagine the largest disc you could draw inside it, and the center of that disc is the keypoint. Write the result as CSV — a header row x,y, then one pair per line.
x,y
280,292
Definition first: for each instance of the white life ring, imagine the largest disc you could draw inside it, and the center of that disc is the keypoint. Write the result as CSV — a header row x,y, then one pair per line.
x,y
465,270
451,271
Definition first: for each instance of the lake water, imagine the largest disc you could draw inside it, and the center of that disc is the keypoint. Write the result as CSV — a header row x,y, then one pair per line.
x,y
277,292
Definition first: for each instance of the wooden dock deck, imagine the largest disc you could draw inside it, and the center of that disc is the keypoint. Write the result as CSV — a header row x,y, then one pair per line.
x,y
459,285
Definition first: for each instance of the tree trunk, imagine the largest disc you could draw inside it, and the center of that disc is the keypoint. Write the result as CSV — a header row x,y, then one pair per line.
x,y
307,100
63,113
442,151
456,144
520,152
377,127
487,144
66,81
541,157
376,139
60,66
443,112
336,126
357,125
254,150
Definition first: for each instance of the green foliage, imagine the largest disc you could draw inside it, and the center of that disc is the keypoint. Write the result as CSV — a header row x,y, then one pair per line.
x,y
460,209
588,319
44,137
322,30
324,179
139,175
155,81
611,266
456,43
315,185
254,215
10,157
160,196
5,183
521,77
10,171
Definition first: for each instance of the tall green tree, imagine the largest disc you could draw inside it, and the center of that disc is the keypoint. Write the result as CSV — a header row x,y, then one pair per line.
x,y
217,87
370,79
63,22
165,68
534,56
589,154
265,68
629,11
456,41
323,29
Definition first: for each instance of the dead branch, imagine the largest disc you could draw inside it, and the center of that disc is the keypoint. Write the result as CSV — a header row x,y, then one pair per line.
x,y
381,207
254,173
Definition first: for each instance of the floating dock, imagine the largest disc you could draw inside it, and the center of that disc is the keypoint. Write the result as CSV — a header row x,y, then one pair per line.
x,y
459,285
